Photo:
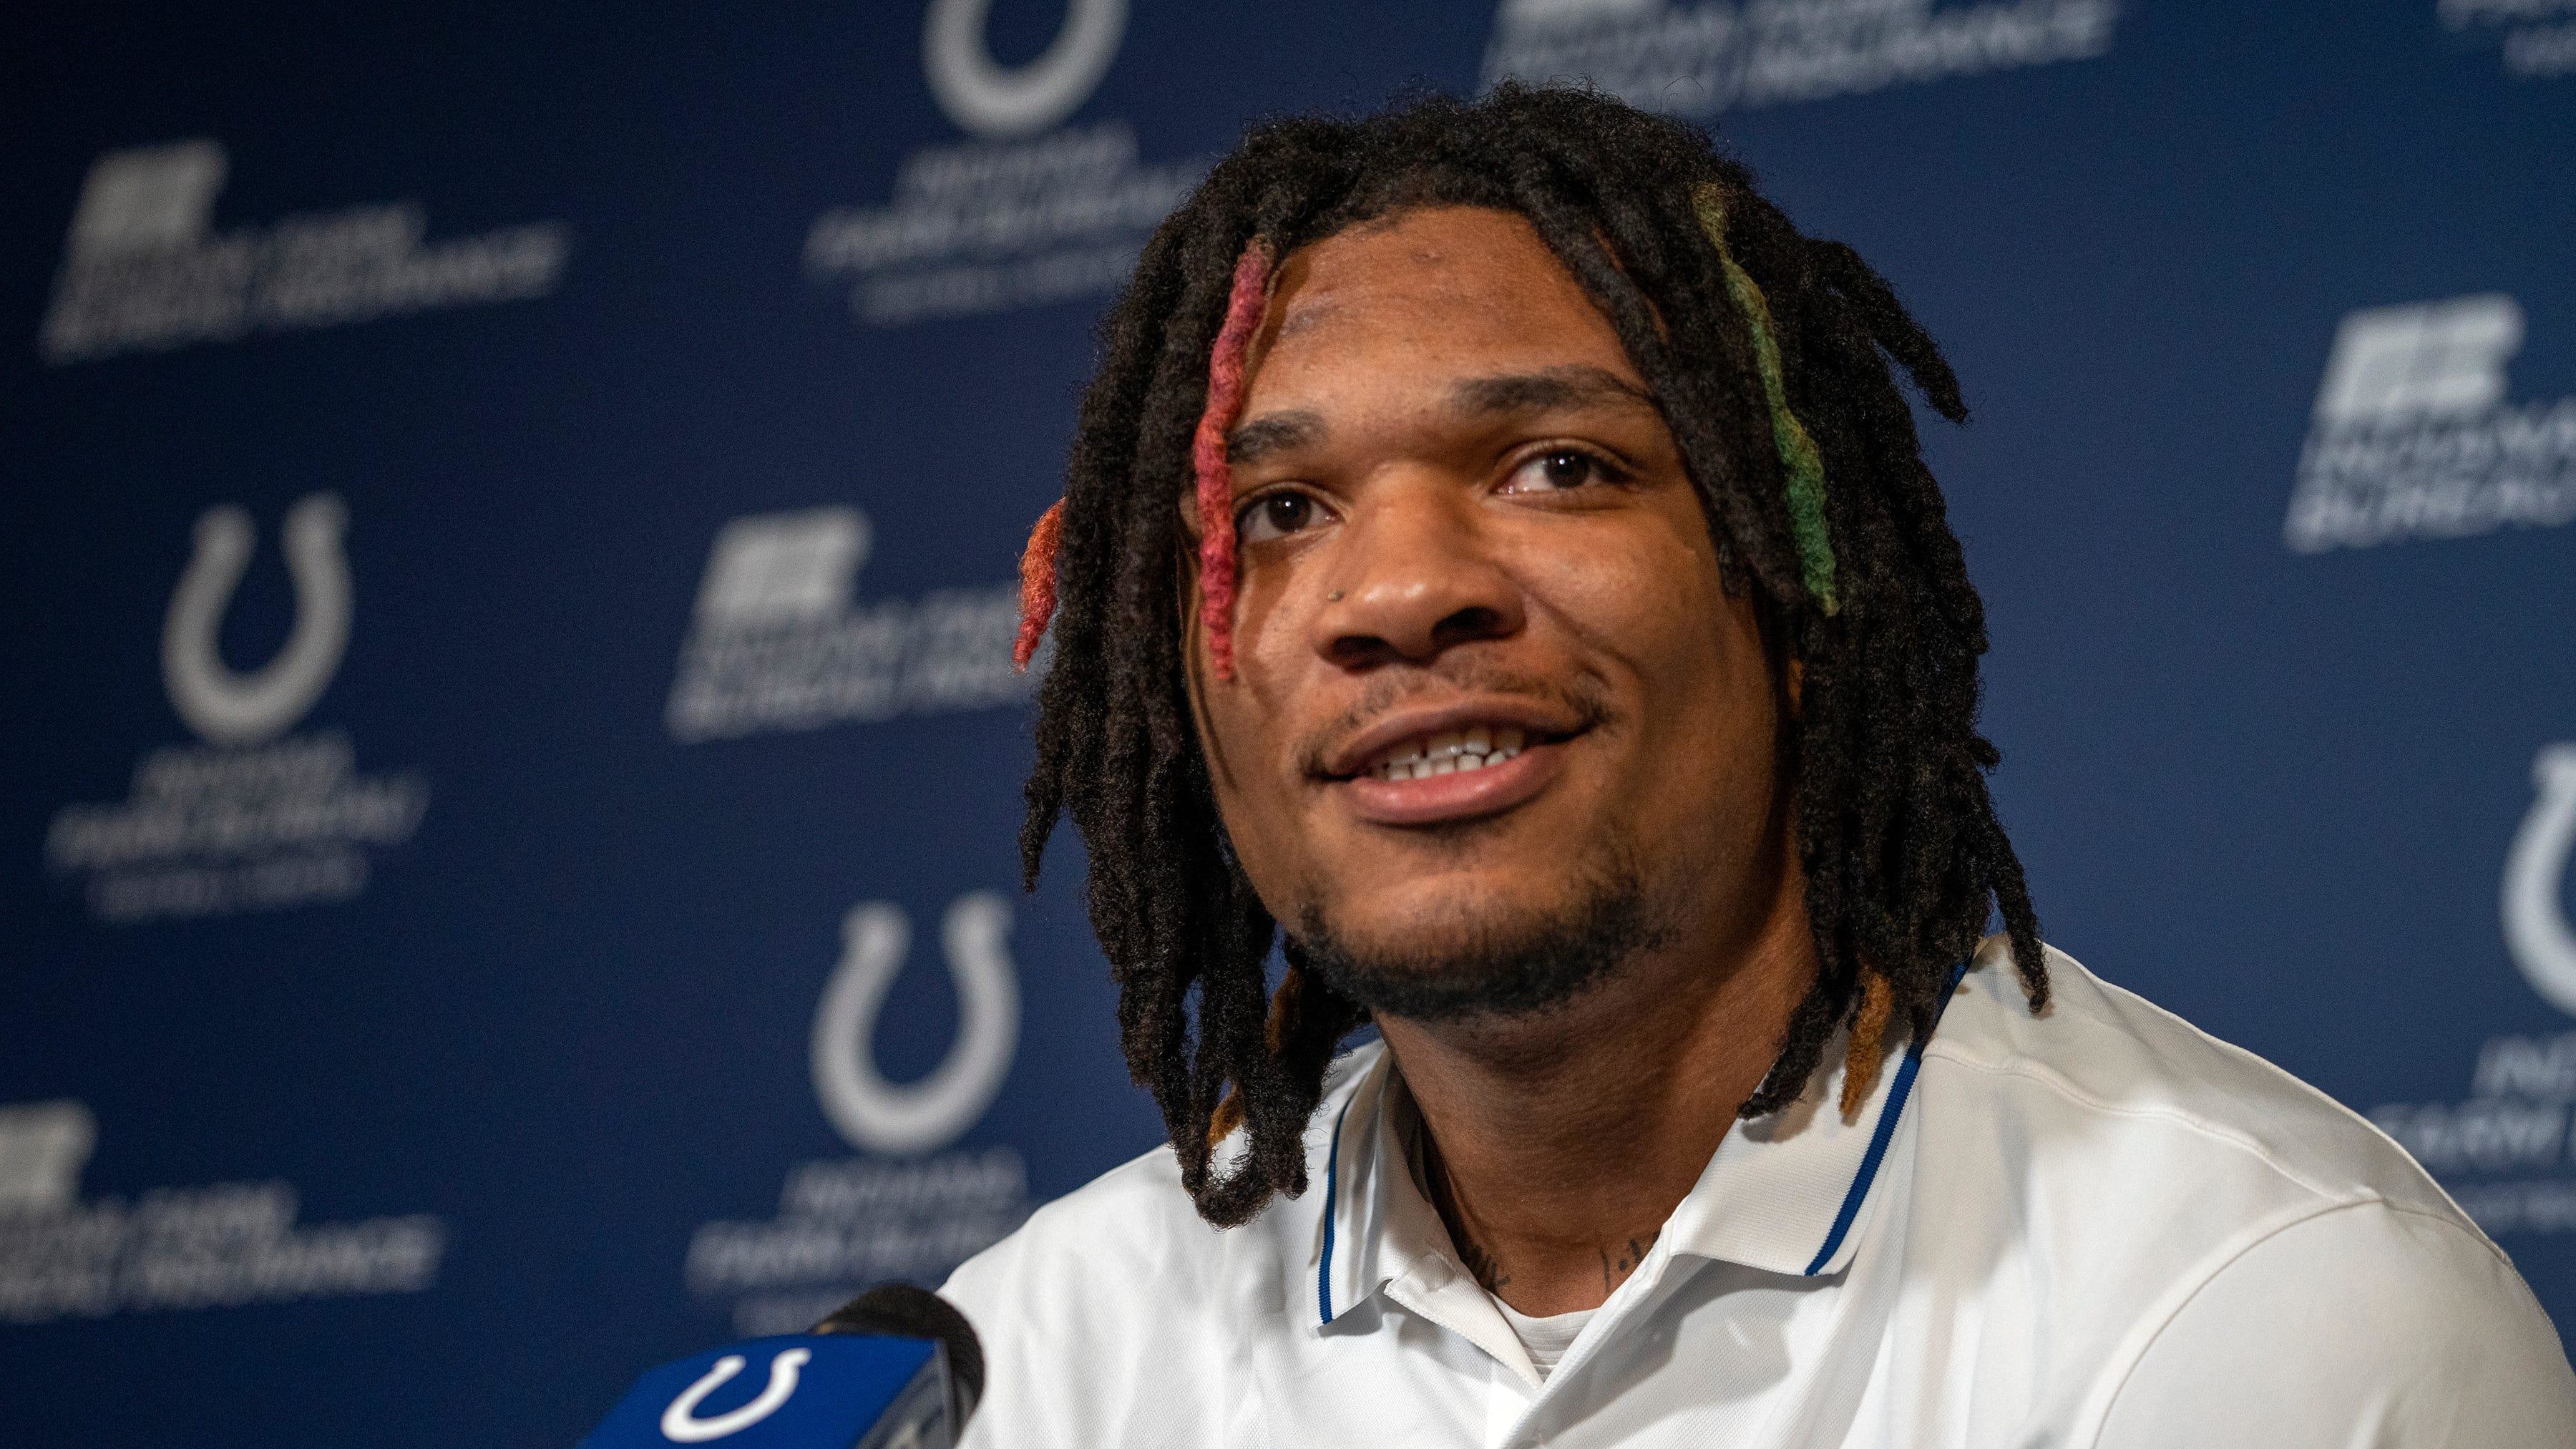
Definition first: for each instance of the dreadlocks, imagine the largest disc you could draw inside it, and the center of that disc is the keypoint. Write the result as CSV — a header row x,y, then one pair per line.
x,y
1768,353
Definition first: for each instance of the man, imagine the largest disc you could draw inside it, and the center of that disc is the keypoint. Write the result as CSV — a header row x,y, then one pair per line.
x,y
1496,567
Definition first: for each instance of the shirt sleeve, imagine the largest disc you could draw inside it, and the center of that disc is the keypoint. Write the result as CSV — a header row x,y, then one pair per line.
x,y
2365,1327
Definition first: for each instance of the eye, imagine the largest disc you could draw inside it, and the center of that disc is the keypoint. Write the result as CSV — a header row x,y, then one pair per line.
x,y
1559,469
1276,515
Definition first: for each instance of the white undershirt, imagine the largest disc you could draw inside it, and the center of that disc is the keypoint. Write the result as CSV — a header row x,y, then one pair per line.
x,y
1546,1338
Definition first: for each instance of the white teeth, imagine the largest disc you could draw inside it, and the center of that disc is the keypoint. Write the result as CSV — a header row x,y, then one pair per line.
x,y
1449,751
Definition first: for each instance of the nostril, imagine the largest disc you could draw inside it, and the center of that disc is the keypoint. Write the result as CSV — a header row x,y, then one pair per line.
x,y
1473,622
1359,651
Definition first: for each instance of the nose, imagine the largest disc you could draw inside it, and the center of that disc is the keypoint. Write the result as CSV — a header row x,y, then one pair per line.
x,y
1417,577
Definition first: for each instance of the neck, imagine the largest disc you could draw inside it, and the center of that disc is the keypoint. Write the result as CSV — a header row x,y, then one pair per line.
x,y
1560,1142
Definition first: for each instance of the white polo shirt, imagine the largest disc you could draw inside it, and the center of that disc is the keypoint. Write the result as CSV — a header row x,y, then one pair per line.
x,y
2098,1228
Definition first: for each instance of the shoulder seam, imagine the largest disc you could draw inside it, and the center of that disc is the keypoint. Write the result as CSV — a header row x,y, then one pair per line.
x,y
1952,1049
2031,1071
2135,1356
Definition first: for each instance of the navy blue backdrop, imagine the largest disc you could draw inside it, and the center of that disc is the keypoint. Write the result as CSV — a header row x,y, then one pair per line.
x,y
511,762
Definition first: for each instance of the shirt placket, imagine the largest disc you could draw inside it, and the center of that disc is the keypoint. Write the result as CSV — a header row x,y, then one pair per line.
x,y
1508,1401
1625,1312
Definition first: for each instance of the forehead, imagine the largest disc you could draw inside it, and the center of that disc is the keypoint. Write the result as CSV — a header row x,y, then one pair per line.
x,y
1427,294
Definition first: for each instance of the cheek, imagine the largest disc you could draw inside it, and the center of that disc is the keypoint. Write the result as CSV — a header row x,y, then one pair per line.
x,y
1687,669
1648,596
1238,739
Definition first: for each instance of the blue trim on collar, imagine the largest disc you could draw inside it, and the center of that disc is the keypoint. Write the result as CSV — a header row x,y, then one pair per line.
x,y
1887,1119
1332,1196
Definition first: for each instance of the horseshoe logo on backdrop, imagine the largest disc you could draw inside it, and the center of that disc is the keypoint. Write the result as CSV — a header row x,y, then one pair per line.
x,y
681,1424
2536,929
873,1113
999,104
245,709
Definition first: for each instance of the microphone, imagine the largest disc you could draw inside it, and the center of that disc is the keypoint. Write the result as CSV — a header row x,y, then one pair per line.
x,y
897,1367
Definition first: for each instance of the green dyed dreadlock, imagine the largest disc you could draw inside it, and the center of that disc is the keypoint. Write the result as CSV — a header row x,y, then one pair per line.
x,y
1802,469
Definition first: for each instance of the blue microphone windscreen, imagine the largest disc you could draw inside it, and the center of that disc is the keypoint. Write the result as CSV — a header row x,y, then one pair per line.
x,y
796,1391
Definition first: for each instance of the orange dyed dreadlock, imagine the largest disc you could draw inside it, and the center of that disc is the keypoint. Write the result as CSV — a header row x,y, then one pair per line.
x,y
1037,584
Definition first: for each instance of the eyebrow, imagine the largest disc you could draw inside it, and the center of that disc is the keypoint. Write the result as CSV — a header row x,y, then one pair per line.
x,y
1555,389
1274,433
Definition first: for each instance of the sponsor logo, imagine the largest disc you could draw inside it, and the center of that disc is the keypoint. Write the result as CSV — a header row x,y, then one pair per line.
x,y
680,1422
43,1147
1028,212
908,1208
254,818
996,103
874,1115
2536,930
2413,435
1724,55
62,1256
2539,36
2507,1152
777,642
145,270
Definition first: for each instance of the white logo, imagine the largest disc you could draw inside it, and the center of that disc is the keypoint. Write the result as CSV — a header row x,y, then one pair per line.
x,y
999,104
257,819
226,708
175,1248
2535,918
843,1223
153,198
1023,215
2506,1152
777,641
681,1425
1721,55
2436,359
2530,50
145,269
43,1147
780,567
874,1114
2413,436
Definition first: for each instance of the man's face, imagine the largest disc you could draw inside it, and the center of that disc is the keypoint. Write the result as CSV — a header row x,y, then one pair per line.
x,y
1487,683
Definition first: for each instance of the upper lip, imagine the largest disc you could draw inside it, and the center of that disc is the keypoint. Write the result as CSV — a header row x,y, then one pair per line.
x,y
1536,717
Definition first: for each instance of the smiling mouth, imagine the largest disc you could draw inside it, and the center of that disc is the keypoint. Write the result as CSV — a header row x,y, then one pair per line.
x,y
1447,752
1454,773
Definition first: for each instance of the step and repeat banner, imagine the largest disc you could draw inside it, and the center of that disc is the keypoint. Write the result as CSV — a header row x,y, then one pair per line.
x,y
512,760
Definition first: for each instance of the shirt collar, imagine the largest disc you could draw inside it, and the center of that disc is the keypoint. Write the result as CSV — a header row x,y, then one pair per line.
x,y
1788,1194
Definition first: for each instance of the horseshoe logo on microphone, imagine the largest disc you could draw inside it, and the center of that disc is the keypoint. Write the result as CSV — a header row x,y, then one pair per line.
x,y
874,1114
246,709
996,103
681,1425
2536,929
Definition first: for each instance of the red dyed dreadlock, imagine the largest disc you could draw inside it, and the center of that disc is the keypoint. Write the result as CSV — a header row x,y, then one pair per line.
x,y
1243,306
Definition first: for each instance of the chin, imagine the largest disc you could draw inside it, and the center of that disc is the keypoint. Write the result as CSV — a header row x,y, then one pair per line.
x,y
1434,921
1442,953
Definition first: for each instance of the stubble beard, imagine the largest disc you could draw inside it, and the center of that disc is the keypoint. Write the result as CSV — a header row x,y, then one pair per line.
x,y
1493,970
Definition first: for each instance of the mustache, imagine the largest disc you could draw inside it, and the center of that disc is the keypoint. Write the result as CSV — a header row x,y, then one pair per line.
x,y
1584,703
